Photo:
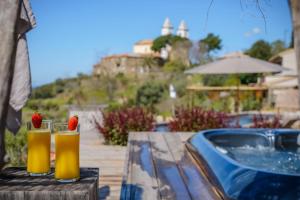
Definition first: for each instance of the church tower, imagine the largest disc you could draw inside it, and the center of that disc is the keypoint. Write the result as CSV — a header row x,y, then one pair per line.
x,y
182,30
167,28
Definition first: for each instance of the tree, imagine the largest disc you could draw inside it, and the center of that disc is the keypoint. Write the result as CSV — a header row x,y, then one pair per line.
x,y
261,50
149,94
162,41
277,46
211,42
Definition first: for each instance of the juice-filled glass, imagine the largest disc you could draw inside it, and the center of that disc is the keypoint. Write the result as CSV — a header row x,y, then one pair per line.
x,y
38,152
66,153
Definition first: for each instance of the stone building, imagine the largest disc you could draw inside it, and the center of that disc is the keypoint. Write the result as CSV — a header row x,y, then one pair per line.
x,y
127,64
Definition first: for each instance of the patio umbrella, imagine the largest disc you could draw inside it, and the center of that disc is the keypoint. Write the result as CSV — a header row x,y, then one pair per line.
x,y
236,63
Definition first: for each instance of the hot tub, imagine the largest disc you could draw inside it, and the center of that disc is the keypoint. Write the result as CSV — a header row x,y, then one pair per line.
x,y
250,163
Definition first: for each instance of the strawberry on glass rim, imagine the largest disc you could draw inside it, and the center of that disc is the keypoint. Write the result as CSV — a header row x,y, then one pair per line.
x,y
73,122
36,120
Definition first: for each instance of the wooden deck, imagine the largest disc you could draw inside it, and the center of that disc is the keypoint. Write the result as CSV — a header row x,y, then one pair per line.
x,y
109,159
158,166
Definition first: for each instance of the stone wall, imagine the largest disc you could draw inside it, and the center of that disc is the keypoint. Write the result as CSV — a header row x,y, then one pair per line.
x,y
88,115
127,64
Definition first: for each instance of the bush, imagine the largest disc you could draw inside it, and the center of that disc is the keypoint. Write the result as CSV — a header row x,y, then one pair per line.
x,y
118,124
16,147
259,121
174,66
149,94
214,80
196,119
43,92
251,104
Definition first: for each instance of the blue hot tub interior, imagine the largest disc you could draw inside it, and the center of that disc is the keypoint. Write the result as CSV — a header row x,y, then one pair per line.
x,y
250,163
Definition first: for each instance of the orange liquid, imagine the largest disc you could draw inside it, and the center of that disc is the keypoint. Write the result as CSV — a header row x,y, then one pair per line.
x,y
67,155
38,158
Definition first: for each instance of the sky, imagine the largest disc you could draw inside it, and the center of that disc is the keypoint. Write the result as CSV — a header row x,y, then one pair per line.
x,y
72,35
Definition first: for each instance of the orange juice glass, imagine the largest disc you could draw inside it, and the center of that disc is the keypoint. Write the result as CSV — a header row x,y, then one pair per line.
x,y
66,153
38,153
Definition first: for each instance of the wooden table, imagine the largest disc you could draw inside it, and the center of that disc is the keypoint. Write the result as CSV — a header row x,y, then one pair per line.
x,y
15,184
160,167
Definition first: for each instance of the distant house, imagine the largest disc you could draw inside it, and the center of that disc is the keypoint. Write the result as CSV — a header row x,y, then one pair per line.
x,y
284,85
143,47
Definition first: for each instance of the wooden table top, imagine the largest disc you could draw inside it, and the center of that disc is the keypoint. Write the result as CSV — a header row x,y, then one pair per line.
x,y
16,184
160,167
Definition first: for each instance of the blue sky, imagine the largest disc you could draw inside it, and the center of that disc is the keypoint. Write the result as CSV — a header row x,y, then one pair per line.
x,y
72,35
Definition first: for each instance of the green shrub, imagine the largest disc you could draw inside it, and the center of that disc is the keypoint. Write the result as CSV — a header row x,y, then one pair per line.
x,y
174,66
43,92
214,80
119,123
149,94
16,147
250,103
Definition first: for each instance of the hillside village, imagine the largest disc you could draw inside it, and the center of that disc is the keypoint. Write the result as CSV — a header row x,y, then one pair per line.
x,y
135,62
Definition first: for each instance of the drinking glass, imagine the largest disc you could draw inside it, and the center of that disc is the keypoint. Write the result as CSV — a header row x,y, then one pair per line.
x,y
38,153
66,153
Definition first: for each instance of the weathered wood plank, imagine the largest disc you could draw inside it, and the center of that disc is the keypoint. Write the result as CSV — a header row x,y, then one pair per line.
x,y
184,136
171,184
15,184
198,186
140,182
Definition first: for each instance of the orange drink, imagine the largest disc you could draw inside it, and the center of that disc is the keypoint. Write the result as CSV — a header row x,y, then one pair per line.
x,y
67,155
38,154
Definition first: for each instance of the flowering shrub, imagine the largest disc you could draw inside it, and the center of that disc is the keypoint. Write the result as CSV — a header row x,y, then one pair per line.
x,y
259,121
117,124
196,119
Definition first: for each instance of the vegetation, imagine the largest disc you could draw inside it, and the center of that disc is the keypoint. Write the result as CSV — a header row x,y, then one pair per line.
x,y
259,121
163,41
149,94
119,123
16,147
174,66
196,119
261,50
211,43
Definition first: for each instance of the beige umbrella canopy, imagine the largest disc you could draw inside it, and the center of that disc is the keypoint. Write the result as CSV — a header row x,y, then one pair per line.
x,y
236,63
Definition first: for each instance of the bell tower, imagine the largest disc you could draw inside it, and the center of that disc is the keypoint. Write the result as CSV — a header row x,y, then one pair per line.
x,y
182,30
167,28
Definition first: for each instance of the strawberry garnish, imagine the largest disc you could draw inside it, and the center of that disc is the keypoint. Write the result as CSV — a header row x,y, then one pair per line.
x,y
73,122
36,120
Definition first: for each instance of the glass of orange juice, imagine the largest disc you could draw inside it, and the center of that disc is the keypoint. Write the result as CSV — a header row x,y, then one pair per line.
x,y
38,153
66,153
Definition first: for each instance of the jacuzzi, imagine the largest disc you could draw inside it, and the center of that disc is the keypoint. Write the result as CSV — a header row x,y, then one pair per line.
x,y
249,164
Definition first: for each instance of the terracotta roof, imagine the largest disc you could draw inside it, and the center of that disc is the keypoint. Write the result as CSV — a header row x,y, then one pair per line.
x,y
144,42
130,55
